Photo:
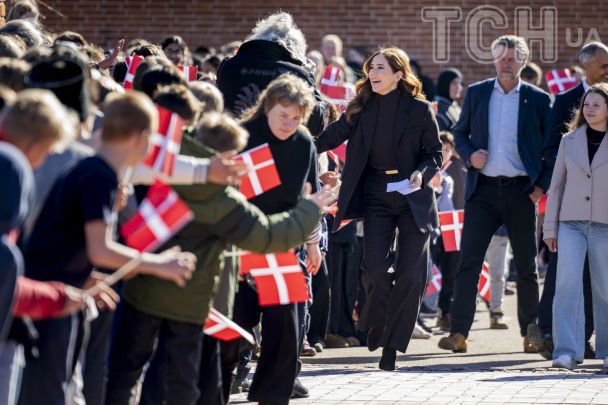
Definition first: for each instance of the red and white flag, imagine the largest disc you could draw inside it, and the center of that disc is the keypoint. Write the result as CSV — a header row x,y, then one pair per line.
x,y
335,89
222,328
189,72
334,158
132,64
451,223
262,175
340,152
483,288
434,286
159,216
165,142
559,80
278,277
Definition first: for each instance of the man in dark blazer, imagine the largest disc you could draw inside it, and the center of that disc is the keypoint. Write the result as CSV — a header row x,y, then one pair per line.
x,y
500,136
593,58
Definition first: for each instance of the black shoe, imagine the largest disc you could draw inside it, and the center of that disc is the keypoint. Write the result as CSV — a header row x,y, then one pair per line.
x,y
547,350
373,337
389,356
589,351
426,312
299,391
421,323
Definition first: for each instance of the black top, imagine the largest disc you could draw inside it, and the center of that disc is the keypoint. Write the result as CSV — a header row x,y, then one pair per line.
x,y
382,154
594,139
56,249
296,162
16,188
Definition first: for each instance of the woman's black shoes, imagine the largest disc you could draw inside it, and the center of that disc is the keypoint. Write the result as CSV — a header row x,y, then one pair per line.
x,y
389,356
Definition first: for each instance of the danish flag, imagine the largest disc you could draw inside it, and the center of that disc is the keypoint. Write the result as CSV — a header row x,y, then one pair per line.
x,y
262,175
334,158
483,288
166,142
189,72
159,216
132,64
222,328
560,80
278,277
334,88
340,152
434,286
451,223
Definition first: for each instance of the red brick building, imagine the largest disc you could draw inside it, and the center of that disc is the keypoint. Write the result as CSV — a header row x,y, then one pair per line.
x,y
358,22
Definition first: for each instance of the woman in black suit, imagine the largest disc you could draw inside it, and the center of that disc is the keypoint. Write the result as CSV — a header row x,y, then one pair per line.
x,y
392,135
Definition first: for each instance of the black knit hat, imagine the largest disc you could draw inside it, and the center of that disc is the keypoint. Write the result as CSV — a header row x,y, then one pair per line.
x,y
444,80
64,72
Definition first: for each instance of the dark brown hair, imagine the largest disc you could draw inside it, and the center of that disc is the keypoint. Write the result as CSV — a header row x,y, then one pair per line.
x,y
178,99
399,62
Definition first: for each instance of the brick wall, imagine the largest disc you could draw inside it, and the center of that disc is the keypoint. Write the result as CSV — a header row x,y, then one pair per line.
x,y
358,22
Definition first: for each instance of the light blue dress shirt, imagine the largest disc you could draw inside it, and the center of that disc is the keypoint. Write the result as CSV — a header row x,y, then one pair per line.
x,y
503,154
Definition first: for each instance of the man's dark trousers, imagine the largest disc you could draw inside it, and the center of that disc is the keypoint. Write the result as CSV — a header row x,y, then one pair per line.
x,y
497,201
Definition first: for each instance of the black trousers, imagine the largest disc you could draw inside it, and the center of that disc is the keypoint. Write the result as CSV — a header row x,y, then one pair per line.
x,y
545,309
277,367
343,269
393,299
133,347
210,376
448,263
95,367
319,310
45,379
491,205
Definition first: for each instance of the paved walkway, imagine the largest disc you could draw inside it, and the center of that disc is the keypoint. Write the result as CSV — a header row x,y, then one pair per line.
x,y
493,371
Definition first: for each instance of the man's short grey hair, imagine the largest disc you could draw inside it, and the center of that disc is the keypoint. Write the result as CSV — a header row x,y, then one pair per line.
x,y
280,28
511,42
589,51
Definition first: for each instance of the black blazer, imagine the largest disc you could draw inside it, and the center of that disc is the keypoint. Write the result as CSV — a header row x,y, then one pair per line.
x,y
561,113
471,131
416,145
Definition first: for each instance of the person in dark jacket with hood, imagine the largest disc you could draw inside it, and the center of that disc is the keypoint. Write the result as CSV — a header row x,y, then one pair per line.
x,y
449,89
275,46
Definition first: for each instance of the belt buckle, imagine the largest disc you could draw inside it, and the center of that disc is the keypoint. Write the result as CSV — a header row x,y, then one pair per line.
x,y
391,172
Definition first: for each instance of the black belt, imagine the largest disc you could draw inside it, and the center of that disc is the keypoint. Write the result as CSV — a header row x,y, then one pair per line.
x,y
504,180
391,172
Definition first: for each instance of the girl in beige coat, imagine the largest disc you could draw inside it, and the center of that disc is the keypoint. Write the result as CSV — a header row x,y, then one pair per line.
x,y
576,224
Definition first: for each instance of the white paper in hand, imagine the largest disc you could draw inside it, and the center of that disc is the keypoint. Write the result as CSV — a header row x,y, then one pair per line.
x,y
402,187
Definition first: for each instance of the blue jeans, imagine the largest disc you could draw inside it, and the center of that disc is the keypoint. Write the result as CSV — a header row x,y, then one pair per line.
x,y
575,239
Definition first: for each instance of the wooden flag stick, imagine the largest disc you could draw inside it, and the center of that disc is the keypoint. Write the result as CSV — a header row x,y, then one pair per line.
x,y
115,277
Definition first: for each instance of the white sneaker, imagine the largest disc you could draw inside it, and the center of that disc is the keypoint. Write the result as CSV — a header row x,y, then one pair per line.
x,y
420,333
564,361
